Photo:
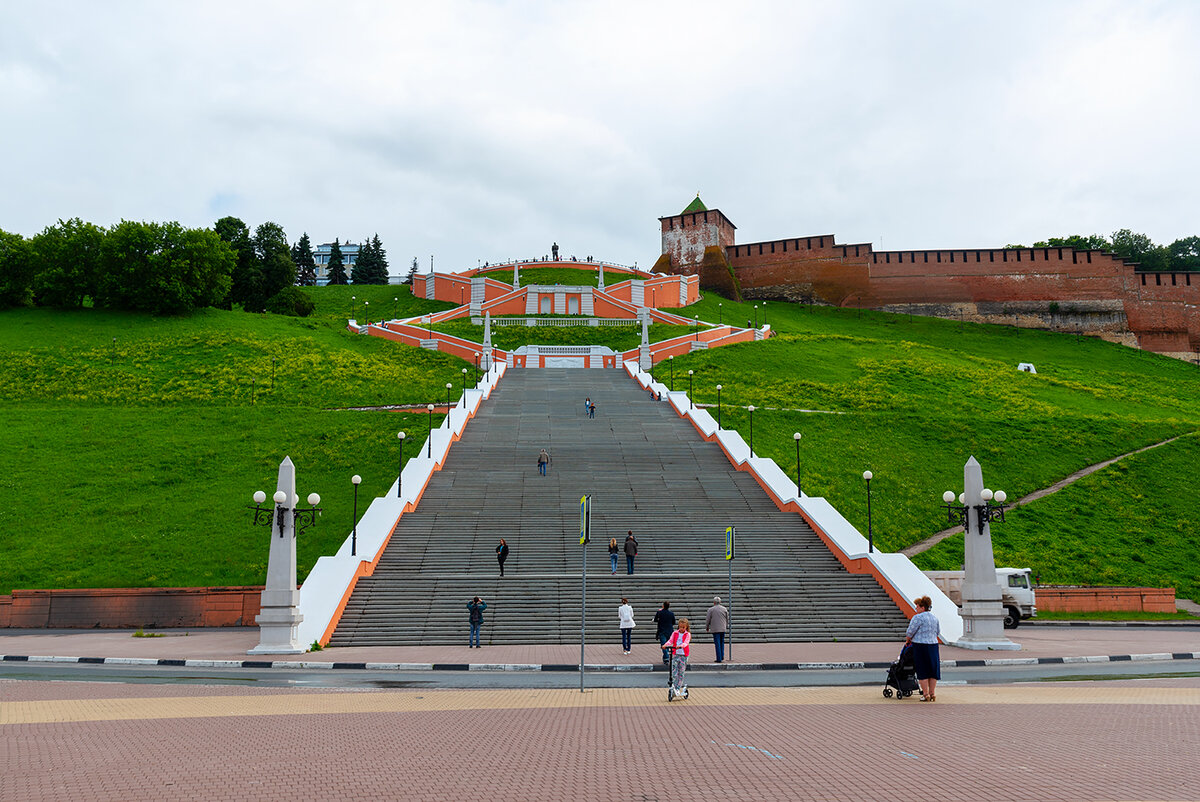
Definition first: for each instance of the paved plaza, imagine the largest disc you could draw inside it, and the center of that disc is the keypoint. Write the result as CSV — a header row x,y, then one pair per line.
x,y
1124,739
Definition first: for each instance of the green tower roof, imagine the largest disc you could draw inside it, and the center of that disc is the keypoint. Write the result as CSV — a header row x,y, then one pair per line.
x,y
695,206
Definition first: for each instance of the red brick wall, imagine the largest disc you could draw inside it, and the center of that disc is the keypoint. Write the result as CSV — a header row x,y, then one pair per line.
x,y
685,236
1088,600
127,608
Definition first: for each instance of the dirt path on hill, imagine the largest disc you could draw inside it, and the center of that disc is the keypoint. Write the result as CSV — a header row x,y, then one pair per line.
x,y
933,540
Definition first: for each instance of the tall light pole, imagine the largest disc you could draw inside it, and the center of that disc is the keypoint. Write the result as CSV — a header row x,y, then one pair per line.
x,y
671,361
718,407
697,319
464,396
355,480
429,440
720,315
353,298
797,436
400,471
477,367
870,532
751,410
764,313
366,312
395,307
690,404
756,316
449,389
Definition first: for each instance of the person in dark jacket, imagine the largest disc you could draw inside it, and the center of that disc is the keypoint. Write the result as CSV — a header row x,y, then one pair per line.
x,y
475,618
502,554
664,620
631,545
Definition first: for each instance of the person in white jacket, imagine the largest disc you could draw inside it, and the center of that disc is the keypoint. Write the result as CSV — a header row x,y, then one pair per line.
x,y
625,611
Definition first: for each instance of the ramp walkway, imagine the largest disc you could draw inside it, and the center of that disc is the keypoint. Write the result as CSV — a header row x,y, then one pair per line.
x,y
647,471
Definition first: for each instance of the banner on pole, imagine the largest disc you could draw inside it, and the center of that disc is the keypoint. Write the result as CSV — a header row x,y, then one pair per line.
x,y
729,533
585,520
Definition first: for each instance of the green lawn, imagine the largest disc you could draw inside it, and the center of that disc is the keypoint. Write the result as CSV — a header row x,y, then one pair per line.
x,y
618,338
131,443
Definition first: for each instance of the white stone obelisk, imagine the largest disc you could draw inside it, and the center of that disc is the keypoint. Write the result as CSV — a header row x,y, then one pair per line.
x,y
280,614
644,361
982,611
516,275
486,364
600,283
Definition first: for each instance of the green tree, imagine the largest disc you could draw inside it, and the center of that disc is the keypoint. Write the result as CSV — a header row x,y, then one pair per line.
x,y
1184,254
371,266
306,265
291,301
337,270
246,287
274,258
67,262
1091,242
16,270
412,272
163,268
1139,248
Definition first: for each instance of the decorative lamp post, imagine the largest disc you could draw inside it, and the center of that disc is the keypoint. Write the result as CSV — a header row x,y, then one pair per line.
x,y
395,307
464,396
449,389
477,367
986,511
400,471
367,312
751,410
690,404
697,319
756,316
764,313
720,315
718,407
353,298
671,362
797,437
870,533
429,440
355,480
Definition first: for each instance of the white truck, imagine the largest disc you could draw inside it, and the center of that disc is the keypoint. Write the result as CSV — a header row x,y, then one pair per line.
x,y
1016,591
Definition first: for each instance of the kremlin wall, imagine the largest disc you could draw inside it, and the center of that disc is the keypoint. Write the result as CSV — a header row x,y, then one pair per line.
x,y
1088,292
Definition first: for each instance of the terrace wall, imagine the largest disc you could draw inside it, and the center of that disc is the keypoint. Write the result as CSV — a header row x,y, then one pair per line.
x,y
129,608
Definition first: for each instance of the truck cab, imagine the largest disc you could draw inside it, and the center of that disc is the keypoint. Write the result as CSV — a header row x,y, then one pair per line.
x,y
1016,591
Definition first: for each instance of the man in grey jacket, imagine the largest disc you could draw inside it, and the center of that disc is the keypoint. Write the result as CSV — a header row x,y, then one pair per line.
x,y
717,622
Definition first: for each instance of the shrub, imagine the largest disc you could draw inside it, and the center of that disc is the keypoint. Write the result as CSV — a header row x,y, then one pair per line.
x,y
290,301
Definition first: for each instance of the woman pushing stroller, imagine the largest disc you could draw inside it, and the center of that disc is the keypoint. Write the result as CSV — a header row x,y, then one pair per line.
x,y
680,646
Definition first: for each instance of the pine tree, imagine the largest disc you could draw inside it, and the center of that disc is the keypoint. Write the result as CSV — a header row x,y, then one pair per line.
x,y
412,272
306,265
360,271
381,263
337,273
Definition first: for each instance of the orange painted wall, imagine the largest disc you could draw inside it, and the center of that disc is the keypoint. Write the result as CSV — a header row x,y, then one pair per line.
x,y
131,607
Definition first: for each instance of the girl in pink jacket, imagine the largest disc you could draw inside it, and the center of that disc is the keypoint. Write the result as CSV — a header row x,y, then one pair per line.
x,y
680,641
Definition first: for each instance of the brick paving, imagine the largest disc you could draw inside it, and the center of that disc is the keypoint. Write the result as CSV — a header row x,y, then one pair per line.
x,y
1123,740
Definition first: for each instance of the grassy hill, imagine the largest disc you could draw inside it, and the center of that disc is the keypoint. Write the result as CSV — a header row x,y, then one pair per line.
x,y
129,462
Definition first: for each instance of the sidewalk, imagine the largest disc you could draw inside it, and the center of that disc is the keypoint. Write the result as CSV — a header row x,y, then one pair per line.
x,y
230,645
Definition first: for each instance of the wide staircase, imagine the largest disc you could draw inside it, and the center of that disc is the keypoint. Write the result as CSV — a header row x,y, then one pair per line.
x,y
647,471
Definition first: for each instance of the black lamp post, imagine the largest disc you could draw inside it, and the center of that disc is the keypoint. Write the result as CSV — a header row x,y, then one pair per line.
x,y
366,312
671,361
870,533
400,471
355,480
764,313
429,440
449,388
751,409
477,367
690,403
720,315
395,307
797,436
353,298
718,407
756,316
464,396
697,319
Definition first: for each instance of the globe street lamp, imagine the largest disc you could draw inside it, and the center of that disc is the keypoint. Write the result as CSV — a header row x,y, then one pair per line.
x,y
353,298
718,407
756,316
690,405
366,312
355,480
477,367
464,396
720,315
301,519
449,389
751,410
697,319
870,533
395,307
400,472
671,362
429,440
987,511
797,437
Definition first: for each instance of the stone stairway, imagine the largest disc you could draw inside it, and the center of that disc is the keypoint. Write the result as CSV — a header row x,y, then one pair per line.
x,y
647,471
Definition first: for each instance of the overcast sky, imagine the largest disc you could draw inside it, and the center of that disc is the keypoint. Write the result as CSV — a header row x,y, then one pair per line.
x,y
481,131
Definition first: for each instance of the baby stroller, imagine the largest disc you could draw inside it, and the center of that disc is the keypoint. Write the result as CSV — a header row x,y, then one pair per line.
x,y
675,684
902,675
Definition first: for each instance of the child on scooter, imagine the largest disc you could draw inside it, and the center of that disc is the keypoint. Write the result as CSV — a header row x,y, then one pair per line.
x,y
680,645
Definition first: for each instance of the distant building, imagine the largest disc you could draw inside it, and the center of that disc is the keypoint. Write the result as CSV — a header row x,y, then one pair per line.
x,y
321,257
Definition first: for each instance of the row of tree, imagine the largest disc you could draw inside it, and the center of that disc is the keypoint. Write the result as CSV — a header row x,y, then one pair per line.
x,y
164,268
1182,254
